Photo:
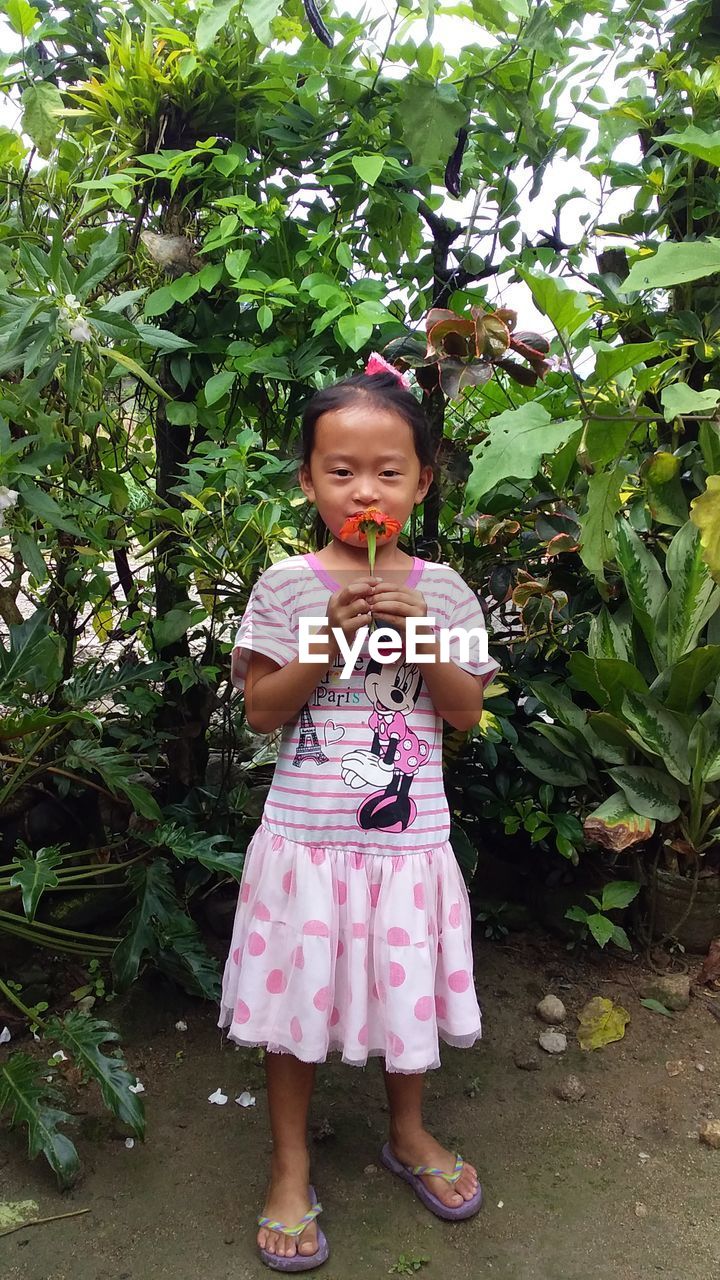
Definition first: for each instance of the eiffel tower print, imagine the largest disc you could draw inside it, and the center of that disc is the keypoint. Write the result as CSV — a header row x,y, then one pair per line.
x,y
308,747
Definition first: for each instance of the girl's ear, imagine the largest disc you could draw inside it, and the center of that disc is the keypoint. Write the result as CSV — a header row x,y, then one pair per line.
x,y
424,482
306,483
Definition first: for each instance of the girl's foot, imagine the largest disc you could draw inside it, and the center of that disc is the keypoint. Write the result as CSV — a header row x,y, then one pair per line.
x,y
287,1201
420,1147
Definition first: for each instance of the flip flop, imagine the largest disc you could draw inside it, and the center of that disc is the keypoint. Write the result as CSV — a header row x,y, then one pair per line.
x,y
299,1261
410,1173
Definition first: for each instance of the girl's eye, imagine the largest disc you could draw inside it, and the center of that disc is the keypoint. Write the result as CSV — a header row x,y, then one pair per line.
x,y
340,471
391,473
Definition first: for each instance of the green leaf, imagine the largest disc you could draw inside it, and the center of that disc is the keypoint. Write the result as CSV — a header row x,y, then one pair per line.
x,y
606,638
369,168
517,440
563,771
559,705
236,262
81,1036
651,792
134,368
36,874
162,339
612,361
705,515
219,385
605,679
260,14
159,301
25,1095
354,330
181,413
678,399
429,118
656,1007
674,263
566,308
643,577
596,523
116,768
211,21
185,288
264,317
696,142
681,685
196,846
41,103
659,732
615,825
600,927
22,16
157,927
105,256
692,599
620,893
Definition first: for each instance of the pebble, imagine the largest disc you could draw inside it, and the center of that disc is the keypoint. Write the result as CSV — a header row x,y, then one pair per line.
x,y
671,989
370,1168
551,1010
553,1041
640,1209
526,1060
710,1134
570,1089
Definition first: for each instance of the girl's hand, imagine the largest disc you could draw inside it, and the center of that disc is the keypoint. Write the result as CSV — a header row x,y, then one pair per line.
x,y
394,605
349,609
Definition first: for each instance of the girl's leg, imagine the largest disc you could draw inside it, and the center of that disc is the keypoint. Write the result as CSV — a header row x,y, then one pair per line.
x,y
289,1088
411,1143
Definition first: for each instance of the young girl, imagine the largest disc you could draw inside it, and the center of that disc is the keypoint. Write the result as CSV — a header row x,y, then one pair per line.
x,y
352,930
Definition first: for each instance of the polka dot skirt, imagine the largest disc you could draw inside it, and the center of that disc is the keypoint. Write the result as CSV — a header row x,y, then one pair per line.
x,y
338,950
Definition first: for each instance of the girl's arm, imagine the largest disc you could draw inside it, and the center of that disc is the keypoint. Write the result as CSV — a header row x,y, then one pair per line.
x,y
456,695
274,695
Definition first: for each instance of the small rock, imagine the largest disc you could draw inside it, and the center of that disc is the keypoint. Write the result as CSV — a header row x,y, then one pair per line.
x,y
85,1005
672,990
640,1209
643,1155
570,1089
551,1010
370,1168
674,1068
710,1134
526,1060
699,1066
553,1041
229,1239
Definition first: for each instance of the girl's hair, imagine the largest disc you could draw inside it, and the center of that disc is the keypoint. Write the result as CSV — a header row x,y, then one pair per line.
x,y
383,390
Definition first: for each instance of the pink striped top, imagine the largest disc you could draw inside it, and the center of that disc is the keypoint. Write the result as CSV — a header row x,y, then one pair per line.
x,y
360,766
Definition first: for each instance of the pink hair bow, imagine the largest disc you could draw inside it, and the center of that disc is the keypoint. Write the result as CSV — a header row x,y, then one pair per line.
x,y
377,364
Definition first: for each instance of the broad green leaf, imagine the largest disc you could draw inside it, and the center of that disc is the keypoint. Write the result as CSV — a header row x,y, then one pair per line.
x,y
660,732
264,317
692,599
133,367
186,287
696,142
549,765
174,624
596,523
605,638
219,385
43,506
21,16
155,899
236,262
430,116
678,399
607,680
676,262
162,339
116,768
565,307
651,792
705,515
42,102
615,825
612,361
559,705
656,1007
260,14
212,20
709,438
81,1036
354,330
159,301
196,846
642,575
369,168
35,874
105,256
666,499
516,442
25,1096
681,685
619,893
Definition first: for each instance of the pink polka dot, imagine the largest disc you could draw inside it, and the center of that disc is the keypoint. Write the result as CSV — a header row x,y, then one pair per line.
x,y
276,982
296,1030
358,861
341,892
363,1035
459,980
423,1008
419,896
454,915
398,937
316,929
397,974
340,950
288,882
236,956
245,892
374,894
396,1045
321,999
298,958
261,912
317,855
334,1017
359,931
242,1013
440,1007
256,944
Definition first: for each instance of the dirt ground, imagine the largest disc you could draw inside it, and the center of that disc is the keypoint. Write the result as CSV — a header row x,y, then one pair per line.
x,y
616,1185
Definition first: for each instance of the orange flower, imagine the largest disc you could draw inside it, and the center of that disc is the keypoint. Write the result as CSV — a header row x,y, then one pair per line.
x,y
371,526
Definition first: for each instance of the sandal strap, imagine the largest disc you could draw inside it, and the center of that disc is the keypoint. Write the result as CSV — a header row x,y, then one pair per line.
x,y
273,1224
439,1173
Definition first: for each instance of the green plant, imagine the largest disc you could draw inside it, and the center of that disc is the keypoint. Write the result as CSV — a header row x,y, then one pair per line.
x,y
492,917
617,894
408,1263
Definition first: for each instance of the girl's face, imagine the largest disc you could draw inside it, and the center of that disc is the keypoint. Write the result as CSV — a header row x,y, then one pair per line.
x,y
363,456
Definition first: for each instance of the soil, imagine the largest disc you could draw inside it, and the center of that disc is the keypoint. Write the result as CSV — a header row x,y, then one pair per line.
x,y
616,1185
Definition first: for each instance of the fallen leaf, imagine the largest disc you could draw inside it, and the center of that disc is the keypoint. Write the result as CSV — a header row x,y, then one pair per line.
x,y
601,1022
710,971
219,1097
657,1006
14,1212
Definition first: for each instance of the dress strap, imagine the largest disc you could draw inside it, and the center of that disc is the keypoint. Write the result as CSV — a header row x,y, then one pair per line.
x,y
439,1173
